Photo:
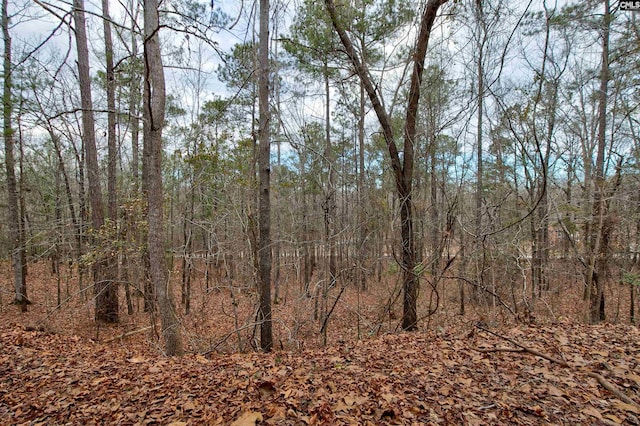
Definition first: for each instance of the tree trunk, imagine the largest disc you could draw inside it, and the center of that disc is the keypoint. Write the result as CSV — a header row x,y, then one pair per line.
x,y
277,246
77,227
307,268
264,170
329,209
187,253
403,170
16,238
134,103
132,269
111,290
154,110
599,236
106,305
362,251
479,195
433,228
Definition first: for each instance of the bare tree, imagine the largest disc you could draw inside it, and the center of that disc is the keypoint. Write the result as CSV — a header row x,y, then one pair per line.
x,y
154,115
112,157
599,236
16,236
264,169
106,296
402,167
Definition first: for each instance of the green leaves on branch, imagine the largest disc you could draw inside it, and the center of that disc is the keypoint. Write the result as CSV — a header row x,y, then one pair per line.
x,y
632,278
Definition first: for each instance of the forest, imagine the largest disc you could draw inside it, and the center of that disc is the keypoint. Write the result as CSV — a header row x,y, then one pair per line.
x,y
264,183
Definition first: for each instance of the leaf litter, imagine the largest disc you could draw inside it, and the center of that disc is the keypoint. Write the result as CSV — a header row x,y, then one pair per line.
x,y
461,376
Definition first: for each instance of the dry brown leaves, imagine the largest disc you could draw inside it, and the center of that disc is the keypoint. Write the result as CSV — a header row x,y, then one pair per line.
x,y
418,378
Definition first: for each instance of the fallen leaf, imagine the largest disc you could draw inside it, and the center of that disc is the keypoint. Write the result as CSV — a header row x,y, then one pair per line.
x,y
593,412
99,380
341,406
634,377
526,388
613,418
355,400
248,418
465,381
446,390
562,339
626,407
276,413
389,397
267,389
554,391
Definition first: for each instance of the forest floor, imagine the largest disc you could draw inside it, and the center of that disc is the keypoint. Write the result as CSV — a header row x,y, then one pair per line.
x,y
58,368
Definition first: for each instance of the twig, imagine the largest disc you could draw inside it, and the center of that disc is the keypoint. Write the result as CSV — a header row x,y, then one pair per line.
x,y
521,348
488,351
483,288
611,388
527,349
127,334
226,337
326,318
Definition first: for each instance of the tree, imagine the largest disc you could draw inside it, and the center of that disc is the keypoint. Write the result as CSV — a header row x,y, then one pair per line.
x,y
154,115
16,236
402,167
264,169
435,157
106,295
481,40
313,45
111,290
599,237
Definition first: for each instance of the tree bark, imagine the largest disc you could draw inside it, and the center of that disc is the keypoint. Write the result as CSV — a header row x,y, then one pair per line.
x,y
479,195
264,170
329,208
134,104
111,291
16,237
106,306
154,114
598,243
111,115
362,251
540,220
402,168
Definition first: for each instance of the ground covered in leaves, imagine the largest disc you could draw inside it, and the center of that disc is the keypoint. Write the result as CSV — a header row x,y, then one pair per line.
x,y
468,376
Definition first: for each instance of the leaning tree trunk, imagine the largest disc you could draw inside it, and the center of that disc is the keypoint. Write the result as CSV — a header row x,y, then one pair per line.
x,y
154,111
16,239
403,170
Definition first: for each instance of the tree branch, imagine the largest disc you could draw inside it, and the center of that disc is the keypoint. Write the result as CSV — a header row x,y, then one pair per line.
x,y
521,348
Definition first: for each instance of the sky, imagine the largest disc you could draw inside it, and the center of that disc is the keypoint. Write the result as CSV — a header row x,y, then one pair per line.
x,y
191,88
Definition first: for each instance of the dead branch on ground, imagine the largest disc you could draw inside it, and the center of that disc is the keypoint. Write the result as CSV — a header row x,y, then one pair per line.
x,y
578,369
123,335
